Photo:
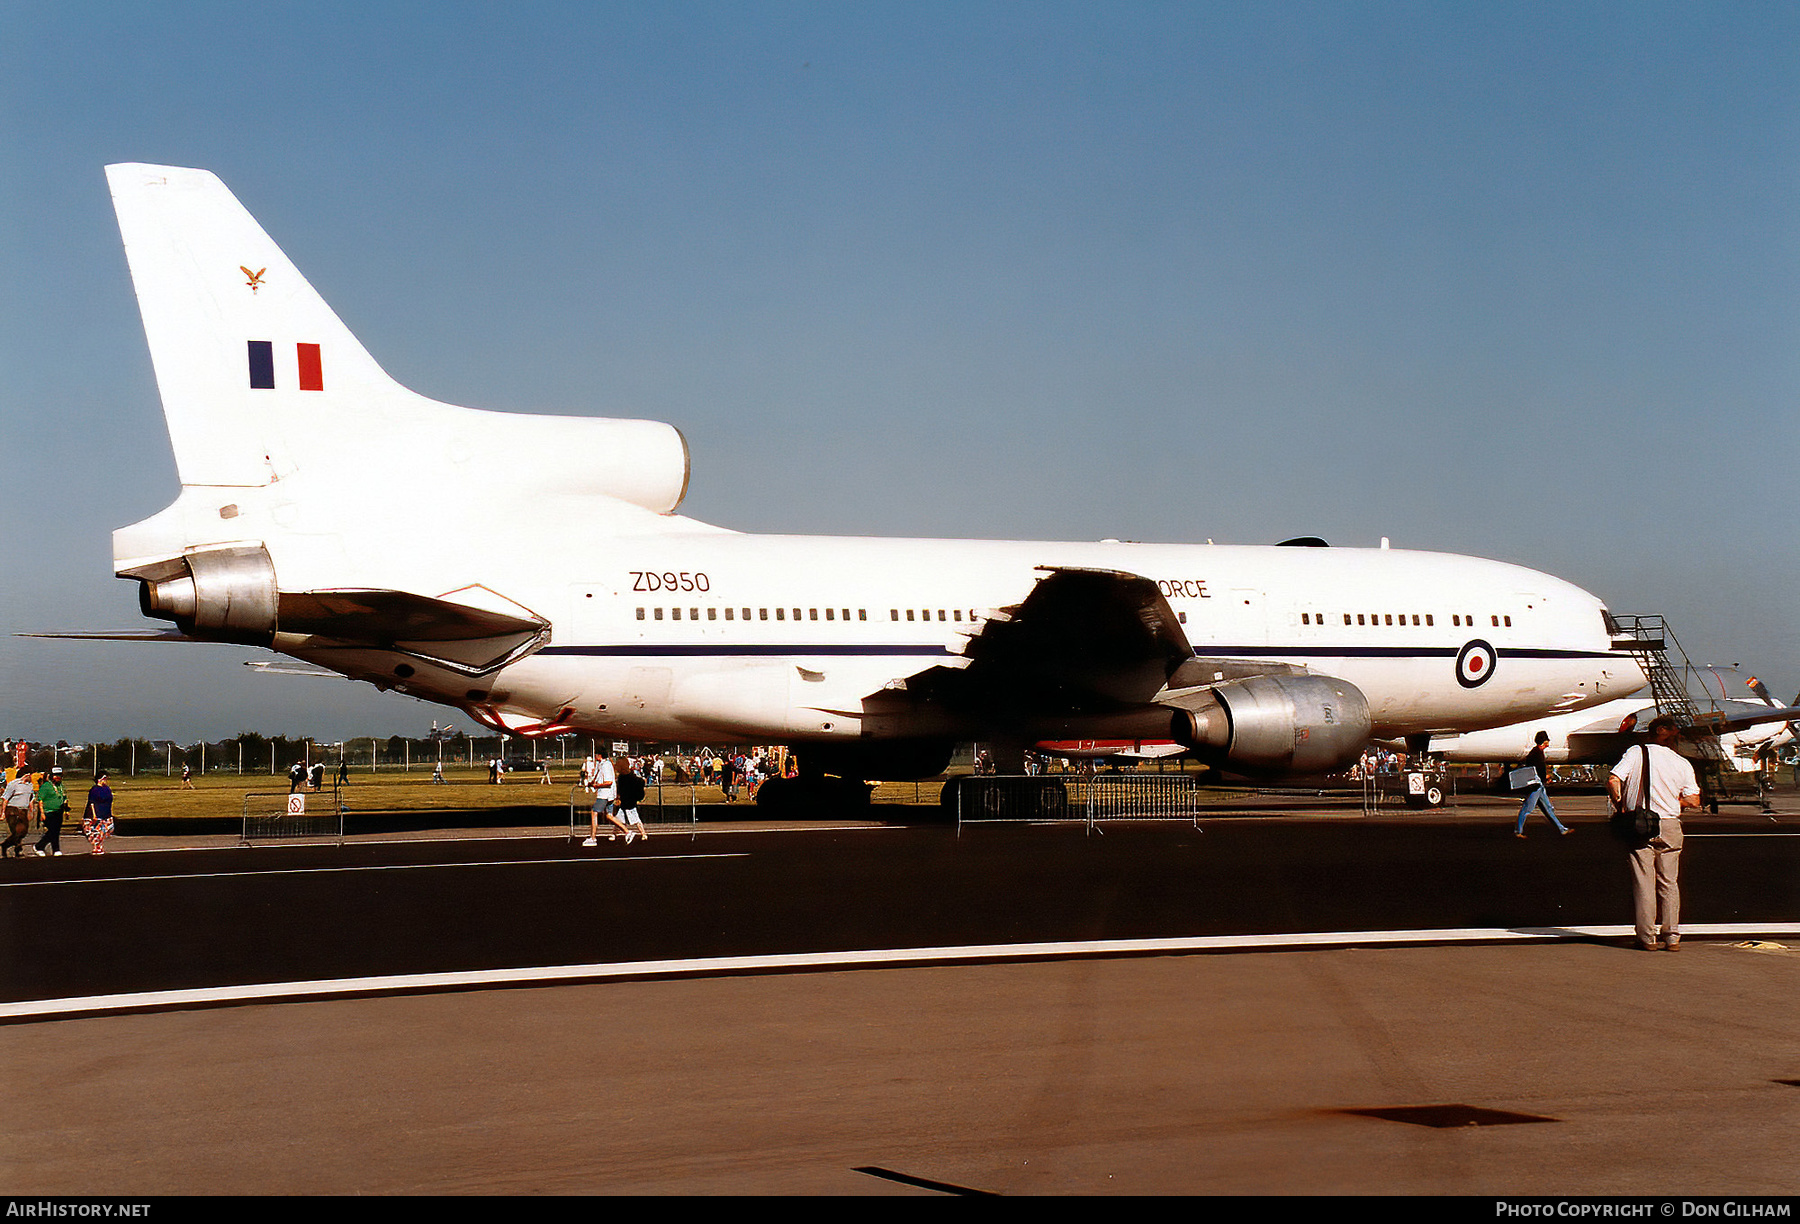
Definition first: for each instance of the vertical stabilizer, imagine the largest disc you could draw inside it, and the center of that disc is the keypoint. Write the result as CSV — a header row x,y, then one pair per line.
x,y
245,350
281,420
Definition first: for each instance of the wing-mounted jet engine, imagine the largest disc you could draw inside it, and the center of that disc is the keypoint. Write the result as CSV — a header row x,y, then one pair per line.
x,y
1273,724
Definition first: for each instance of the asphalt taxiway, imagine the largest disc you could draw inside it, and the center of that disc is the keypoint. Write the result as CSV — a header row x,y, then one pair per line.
x,y
759,1009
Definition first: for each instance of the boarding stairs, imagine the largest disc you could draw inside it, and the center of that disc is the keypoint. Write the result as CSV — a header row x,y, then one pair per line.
x,y
1651,642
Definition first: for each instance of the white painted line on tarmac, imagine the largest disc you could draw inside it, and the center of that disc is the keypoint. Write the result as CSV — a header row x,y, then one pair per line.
x,y
276,871
548,834
412,983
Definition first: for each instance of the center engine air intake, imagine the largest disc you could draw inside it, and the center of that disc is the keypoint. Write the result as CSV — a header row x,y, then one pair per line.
x,y
226,594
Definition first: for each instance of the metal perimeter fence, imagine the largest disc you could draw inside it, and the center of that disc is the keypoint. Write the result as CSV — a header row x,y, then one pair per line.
x,y
300,816
1090,799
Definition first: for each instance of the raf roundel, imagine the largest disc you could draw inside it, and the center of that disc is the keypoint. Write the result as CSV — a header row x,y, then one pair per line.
x,y
1474,664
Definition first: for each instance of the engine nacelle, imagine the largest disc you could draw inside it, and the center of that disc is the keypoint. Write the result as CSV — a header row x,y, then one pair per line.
x,y
1275,724
227,594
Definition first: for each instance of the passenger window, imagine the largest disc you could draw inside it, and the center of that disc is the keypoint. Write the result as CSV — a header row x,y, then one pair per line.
x,y
1428,621
640,614
780,613
813,614
909,614
762,614
728,612
712,614
894,613
1508,622
657,612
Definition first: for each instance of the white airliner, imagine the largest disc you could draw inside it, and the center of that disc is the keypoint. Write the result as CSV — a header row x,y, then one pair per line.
x,y
302,526
1600,735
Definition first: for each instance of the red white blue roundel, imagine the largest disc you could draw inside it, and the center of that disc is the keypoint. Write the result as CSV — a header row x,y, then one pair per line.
x,y
1474,664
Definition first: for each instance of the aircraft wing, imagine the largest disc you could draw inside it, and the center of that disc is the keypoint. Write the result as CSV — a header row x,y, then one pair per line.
x,y
1096,655
1738,716
1082,641
1754,716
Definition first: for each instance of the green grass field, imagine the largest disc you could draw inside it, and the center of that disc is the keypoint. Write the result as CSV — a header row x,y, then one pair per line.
x,y
220,796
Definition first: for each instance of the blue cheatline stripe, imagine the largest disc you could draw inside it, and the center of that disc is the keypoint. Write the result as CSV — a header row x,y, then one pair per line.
x,y
688,651
723,649
48,1009
1394,652
262,365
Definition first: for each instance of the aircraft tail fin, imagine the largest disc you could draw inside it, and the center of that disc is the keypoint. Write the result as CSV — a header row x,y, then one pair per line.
x,y
244,349
260,380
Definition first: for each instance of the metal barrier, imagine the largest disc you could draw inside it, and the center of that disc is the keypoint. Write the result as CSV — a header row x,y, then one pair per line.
x,y
1090,798
301,815
661,805
1418,789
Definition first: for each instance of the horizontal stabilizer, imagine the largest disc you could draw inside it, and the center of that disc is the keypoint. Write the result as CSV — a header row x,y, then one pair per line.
x,y
468,640
120,635
289,667
394,616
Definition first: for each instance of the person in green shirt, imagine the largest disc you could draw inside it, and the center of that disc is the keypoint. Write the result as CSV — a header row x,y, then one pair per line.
x,y
53,805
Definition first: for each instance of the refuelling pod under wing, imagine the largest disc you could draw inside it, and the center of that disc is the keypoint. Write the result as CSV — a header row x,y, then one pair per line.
x,y
1273,724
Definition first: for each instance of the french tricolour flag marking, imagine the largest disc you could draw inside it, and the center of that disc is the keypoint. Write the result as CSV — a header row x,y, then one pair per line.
x,y
308,363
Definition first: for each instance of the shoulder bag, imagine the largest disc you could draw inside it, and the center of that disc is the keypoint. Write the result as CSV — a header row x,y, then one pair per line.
x,y
1636,826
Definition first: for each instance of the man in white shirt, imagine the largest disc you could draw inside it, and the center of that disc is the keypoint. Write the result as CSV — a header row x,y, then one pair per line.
x,y
1656,867
18,798
605,784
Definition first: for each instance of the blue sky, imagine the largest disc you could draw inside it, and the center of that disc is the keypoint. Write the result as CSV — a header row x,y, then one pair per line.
x,y
1514,280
